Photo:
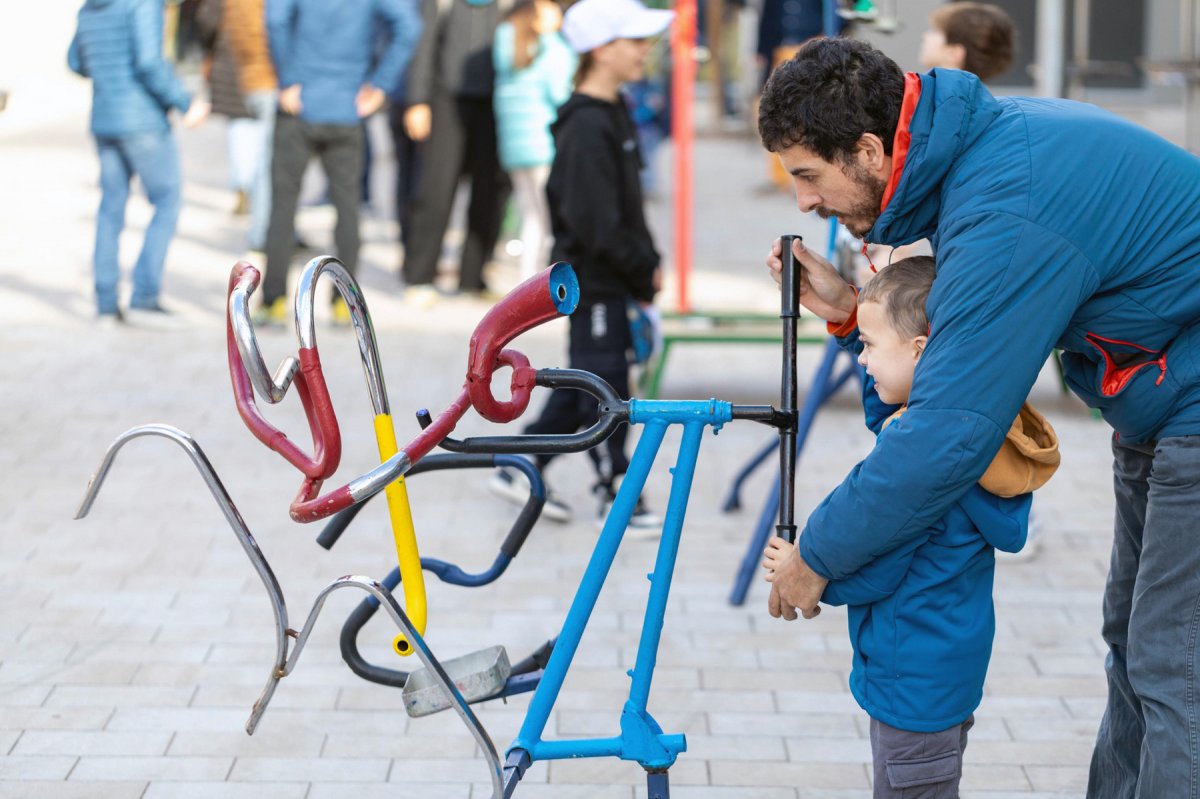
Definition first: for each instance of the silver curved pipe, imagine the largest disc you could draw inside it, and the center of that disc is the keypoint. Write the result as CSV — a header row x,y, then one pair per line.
x,y
285,662
388,602
271,388
360,318
235,520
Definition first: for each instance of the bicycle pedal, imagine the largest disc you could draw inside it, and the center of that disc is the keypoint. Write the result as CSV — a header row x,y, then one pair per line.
x,y
478,676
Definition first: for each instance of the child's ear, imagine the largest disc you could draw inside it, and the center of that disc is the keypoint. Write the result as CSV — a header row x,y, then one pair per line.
x,y
958,54
919,346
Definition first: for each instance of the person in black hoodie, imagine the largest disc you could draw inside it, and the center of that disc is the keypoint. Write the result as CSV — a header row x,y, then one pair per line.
x,y
599,227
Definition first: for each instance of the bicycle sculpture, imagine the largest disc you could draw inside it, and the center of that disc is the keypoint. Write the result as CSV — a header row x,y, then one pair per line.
x,y
487,674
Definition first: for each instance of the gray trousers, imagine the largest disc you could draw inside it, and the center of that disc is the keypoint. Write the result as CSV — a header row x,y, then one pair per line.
x,y
918,765
1148,746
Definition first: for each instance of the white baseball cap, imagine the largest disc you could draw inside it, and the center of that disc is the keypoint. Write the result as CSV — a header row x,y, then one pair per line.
x,y
592,23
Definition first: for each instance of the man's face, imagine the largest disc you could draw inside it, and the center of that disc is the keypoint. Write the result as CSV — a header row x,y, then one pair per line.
x,y
851,191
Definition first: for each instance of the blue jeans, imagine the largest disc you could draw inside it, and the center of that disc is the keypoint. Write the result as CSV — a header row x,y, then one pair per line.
x,y
263,105
1149,741
154,158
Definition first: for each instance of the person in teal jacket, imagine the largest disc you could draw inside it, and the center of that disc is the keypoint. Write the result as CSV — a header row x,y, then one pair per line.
x,y
1054,223
534,67
921,619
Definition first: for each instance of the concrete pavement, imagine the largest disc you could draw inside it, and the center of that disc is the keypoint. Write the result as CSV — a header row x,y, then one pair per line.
x,y
132,643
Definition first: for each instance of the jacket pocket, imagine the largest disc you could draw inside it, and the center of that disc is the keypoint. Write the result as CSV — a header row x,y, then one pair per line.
x,y
1123,360
1130,384
929,770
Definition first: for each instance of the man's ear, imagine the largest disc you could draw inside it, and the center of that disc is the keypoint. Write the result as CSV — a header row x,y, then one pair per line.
x,y
919,345
870,154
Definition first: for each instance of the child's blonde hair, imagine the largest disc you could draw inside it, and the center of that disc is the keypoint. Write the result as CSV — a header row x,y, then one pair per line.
x,y
903,289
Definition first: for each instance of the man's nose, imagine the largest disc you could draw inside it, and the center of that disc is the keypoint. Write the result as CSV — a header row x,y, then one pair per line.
x,y
807,200
862,360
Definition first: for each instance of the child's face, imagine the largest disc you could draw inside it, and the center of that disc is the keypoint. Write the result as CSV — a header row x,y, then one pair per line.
x,y
888,356
625,59
935,52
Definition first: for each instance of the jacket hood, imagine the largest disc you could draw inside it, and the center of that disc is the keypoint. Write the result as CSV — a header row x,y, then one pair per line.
x,y
576,102
1027,459
98,3
999,504
953,111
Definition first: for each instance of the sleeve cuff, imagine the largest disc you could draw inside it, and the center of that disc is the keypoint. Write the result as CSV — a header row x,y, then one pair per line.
x,y
845,328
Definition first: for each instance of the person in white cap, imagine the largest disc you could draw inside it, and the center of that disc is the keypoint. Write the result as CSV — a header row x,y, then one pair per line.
x,y
599,228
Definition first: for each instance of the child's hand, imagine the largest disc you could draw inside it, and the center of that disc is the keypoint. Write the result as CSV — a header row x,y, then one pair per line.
x,y
774,556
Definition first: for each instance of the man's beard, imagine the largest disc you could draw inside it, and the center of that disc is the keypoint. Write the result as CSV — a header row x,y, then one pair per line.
x,y
862,215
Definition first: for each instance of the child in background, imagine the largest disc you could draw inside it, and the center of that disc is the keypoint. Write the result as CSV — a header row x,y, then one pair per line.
x,y
600,228
533,78
921,617
977,37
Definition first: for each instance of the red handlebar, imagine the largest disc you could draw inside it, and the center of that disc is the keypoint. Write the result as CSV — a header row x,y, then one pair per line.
x,y
545,296
552,293
309,382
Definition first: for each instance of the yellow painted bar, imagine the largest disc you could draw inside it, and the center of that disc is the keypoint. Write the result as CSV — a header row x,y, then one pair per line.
x,y
400,513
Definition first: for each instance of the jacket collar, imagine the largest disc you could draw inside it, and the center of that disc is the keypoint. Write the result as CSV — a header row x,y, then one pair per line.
x,y
943,112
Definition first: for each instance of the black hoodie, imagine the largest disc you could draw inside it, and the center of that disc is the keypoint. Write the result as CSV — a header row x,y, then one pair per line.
x,y
595,196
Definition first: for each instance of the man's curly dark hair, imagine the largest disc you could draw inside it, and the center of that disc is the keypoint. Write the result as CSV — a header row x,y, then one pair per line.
x,y
828,95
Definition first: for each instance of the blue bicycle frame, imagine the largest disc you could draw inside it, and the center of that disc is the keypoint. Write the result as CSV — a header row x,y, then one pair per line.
x,y
641,739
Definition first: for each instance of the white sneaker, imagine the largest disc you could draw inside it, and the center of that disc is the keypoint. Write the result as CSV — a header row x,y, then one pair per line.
x,y
643,524
513,486
154,317
109,321
421,297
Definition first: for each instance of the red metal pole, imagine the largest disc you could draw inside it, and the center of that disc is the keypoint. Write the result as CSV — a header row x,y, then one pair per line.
x,y
683,80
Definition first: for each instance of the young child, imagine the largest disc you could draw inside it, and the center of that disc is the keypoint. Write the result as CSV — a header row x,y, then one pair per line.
x,y
977,37
921,617
533,78
600,228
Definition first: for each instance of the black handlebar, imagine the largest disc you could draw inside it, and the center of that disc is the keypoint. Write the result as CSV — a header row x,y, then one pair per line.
x,y
613,412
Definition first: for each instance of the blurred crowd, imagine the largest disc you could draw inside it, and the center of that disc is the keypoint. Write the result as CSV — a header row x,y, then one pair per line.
x,y
469,88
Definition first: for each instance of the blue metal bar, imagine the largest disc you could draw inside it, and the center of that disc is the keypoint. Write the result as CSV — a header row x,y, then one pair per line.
x,y
733,500
664,566
584,602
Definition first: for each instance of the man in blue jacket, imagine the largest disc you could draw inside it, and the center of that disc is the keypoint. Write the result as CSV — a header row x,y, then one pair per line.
x,y
329,81
1054,224
118,44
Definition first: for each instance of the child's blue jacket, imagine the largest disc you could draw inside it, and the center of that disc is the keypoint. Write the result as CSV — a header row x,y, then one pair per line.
x,y
920,617
1053,223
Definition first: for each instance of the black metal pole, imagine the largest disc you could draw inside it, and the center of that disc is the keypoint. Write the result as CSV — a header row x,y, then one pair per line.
x,y
789,286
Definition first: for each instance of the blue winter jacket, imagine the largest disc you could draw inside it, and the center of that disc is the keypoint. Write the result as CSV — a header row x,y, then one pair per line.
x,y
1054,223
118,44
527,100
921,618
329,47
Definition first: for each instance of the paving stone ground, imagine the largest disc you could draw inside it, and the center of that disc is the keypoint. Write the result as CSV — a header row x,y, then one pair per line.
x,y
133,642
